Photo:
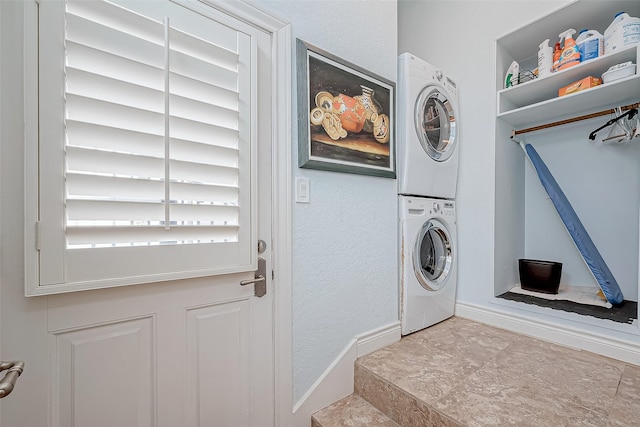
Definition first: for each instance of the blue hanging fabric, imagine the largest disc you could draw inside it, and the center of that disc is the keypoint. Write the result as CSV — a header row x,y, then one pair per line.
x,y
581,238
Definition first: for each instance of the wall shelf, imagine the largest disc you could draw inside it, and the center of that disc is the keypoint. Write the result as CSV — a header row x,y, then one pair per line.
x,y
537,101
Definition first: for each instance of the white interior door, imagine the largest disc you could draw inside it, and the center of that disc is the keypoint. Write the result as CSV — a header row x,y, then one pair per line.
x,y
191,352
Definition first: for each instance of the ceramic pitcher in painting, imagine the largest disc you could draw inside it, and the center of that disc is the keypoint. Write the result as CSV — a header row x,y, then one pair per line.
x,y
351,112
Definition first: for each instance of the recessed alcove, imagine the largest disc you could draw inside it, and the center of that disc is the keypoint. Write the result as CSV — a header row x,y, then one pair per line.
x,y
602,181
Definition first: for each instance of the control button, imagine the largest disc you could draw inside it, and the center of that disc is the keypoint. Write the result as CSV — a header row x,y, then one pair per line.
x,y
439,74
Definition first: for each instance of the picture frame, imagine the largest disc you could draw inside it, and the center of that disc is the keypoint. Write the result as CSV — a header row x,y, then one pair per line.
x,y
346,115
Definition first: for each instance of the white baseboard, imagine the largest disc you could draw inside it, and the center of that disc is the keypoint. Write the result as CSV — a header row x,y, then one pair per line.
x,y
378,338
337,380
626,351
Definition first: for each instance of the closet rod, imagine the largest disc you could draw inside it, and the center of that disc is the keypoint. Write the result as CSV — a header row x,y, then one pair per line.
x,y
574,119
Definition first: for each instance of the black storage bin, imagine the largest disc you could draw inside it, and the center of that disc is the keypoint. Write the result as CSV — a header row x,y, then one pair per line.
x,y
540,276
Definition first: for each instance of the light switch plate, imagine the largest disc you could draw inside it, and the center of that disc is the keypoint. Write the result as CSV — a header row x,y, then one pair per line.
x,y
302,190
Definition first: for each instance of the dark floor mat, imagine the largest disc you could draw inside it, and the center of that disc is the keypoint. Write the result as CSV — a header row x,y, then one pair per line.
x,y
626,312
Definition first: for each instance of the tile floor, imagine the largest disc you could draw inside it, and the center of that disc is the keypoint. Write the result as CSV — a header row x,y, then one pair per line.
x,y
463,373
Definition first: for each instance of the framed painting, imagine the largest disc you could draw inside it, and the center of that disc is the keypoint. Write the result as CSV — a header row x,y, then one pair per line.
x,y
346,115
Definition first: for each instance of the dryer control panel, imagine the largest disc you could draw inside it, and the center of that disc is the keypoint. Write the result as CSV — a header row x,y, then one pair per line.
x,y
444,208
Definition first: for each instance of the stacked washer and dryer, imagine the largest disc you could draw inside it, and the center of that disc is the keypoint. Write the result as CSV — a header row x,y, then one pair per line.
x,y
427,175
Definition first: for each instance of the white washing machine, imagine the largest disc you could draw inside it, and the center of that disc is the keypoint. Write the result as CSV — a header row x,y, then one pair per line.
x,y
428,261
427,130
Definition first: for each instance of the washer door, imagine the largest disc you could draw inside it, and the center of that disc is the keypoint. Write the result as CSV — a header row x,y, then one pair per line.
x,y
435,121
433,255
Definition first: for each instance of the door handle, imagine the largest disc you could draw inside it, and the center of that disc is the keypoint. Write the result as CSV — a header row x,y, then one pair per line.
x,y
14,369
259,279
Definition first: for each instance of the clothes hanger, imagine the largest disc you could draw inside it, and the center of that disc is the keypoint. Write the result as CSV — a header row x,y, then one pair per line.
x,y
621,131
630,113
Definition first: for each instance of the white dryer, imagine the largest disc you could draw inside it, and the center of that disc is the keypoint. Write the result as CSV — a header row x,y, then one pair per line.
x,y
428,261
427,130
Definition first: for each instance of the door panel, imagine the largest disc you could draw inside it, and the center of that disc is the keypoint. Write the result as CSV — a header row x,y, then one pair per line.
x,y
216,338
99,368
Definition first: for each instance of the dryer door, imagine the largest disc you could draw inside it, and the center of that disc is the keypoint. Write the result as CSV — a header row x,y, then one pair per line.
x,y
435,121
433,255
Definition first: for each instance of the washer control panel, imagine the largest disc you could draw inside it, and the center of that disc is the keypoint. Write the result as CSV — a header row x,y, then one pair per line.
x,y
417,206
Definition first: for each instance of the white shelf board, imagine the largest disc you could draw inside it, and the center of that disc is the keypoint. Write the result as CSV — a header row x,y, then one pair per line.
x,y
616,93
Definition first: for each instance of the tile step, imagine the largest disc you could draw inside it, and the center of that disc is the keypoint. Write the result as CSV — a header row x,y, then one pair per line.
x,y
403,408
352,411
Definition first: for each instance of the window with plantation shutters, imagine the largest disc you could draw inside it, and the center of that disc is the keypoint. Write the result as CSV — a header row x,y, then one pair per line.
x,y
146,145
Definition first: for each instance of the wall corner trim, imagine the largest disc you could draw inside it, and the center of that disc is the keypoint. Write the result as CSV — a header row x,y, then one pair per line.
x,y
614,347
336,382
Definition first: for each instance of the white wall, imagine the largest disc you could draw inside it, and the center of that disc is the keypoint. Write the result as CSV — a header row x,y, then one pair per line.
x,y
345,241
592,174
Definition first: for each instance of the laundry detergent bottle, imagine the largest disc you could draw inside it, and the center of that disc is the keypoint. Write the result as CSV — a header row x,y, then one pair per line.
x,y
590,44
624,31
570,55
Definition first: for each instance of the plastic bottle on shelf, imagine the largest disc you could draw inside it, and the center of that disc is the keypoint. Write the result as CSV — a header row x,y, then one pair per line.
x,y
624,31
545,59
570,55
556,56
512,77
590,44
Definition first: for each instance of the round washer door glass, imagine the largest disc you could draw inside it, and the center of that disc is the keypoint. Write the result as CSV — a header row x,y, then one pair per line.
x,y
435,123
433,256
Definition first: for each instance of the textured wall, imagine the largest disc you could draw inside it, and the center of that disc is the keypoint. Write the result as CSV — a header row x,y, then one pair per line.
x,y
345,241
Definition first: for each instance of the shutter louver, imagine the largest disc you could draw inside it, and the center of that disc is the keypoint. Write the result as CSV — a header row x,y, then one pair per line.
x,y
115,133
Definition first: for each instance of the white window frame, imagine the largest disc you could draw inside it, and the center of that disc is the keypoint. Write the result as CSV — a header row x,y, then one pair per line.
x,y
240,260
